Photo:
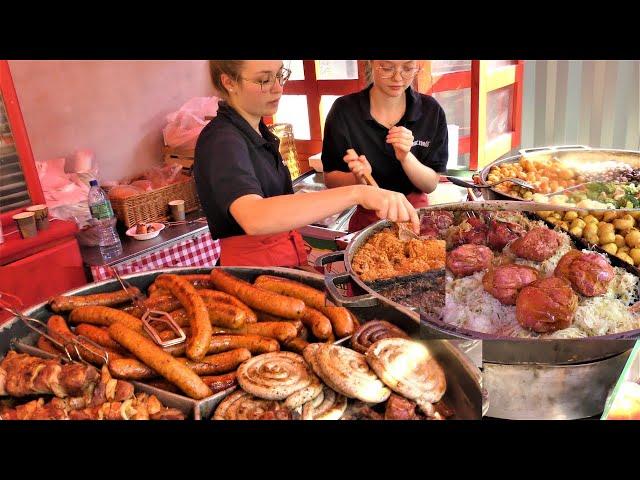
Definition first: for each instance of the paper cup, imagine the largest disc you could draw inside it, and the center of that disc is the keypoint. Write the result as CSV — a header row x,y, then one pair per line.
x,y
42,216
26,222
177,210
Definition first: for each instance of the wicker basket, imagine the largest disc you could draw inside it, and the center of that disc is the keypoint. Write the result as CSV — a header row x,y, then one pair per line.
x,y
153,206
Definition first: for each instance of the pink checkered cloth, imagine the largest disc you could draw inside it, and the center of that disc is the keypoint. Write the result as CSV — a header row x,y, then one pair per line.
x,y
201,251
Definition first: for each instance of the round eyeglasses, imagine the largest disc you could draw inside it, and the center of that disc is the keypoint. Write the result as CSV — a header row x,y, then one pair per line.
x,y
405,72
266,85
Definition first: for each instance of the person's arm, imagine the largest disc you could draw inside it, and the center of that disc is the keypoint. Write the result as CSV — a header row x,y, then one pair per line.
x,y
262,216
422,177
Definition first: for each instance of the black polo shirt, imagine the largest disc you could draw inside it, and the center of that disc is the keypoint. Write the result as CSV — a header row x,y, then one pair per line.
x,y
349,124
233,160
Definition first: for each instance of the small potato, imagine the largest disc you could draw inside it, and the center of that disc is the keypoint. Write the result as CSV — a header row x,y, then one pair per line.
x,y
593,239
620,241
527,195
633,238
610,248
605,226
563,225
591,219
634,253
591,229
623,223
571,215
624,249
609,216
625,257
578,223
553,220
544,213
557,215
577,231
635,215
606,237
598,215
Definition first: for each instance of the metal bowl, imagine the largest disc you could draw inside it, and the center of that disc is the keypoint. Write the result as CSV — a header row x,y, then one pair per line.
x,y
464,394
544,351
576,153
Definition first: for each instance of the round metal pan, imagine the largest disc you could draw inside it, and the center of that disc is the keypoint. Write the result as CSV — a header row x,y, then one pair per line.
x,y
464,395
575,153
542,351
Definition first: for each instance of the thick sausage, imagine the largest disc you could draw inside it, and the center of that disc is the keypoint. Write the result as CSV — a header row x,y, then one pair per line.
x,y
319,324
200,325
219,363
104,316
47,346
311,296
281,331
219,383
220,315
163,384
57,327
64,303
254,343
132,369
163,303
160,361
215,295
296,345
256,297
341,320
339,317
99,336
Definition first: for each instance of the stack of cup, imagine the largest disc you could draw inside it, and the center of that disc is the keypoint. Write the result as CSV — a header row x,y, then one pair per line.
x,y
26,222
41,215
177,210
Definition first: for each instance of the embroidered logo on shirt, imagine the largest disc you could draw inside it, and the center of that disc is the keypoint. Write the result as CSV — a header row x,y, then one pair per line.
x,y
421,143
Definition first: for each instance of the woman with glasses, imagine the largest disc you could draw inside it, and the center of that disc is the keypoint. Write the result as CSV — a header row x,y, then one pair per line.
x,y
390,131
244,186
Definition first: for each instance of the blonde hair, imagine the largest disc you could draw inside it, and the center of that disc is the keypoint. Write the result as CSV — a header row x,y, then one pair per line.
x,y
231,68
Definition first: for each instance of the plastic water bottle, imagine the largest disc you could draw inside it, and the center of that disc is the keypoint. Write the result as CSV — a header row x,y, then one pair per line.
x,y
102,213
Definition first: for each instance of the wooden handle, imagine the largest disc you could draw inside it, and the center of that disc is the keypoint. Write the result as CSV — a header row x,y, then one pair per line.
x,y
369,179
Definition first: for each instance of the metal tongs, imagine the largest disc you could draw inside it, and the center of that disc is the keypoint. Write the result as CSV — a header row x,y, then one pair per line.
x,y
150,316
186,222
67,345
480,184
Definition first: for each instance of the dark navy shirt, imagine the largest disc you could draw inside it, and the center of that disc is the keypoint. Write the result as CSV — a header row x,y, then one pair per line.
x,y
233,160
349,124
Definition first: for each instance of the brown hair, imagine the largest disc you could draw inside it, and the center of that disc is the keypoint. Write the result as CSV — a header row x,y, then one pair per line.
x,y
229,67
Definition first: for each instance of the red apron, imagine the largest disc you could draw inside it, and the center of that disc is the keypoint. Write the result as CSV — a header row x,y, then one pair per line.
x,y
362,217
285,249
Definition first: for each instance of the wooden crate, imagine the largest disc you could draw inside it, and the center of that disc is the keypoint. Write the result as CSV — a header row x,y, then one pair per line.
x,y
182,157
153,206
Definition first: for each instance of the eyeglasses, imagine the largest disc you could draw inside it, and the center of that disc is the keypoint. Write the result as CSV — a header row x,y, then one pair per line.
x,y
405,72
265,85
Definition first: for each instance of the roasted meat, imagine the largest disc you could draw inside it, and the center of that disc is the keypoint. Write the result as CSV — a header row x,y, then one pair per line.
x,y
472,230
501,233
546,305
400,408
538,244
589,273
468,259
435,223
505,282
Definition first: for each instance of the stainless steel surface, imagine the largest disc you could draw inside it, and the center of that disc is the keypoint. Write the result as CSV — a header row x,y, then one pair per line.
x,y
460,370
552,392
134,248
574,153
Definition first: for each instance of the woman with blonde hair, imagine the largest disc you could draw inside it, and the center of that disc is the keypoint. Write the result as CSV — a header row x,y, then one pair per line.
x,y
389,130
243,184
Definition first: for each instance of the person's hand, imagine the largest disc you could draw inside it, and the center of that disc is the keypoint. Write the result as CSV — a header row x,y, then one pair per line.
x,y
401,139
389,205
359,165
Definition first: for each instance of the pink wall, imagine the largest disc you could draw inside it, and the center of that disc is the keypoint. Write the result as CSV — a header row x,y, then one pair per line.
x,y
115,108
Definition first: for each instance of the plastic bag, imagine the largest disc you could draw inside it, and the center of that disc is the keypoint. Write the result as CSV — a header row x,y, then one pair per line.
x,y
184,125
164,175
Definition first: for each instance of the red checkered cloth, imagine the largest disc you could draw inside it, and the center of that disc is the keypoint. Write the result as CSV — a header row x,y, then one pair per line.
x,y
201,251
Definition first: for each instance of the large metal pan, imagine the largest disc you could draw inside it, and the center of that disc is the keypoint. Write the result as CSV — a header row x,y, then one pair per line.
x,y
544,351
464,394
575,153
